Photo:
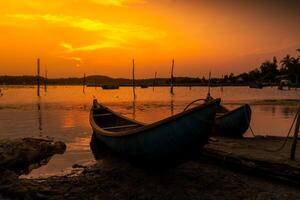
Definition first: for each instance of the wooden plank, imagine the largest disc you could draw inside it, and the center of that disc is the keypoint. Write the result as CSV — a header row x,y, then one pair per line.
x,y
255,155
103,114
123,126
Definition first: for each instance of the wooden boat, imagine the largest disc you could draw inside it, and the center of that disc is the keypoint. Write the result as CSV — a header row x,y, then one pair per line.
x,y
257,85
233,123
110,87
174,138
144,86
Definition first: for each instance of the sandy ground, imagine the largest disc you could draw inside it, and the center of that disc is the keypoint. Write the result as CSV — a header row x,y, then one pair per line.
x,y
117,179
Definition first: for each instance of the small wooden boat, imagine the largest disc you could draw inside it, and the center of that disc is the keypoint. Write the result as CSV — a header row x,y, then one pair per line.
x,y
233,123
257,85
110,87
174,138
144,86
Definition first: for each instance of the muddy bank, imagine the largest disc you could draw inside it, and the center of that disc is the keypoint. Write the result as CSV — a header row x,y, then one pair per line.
x,y
20,156
117,179
114,178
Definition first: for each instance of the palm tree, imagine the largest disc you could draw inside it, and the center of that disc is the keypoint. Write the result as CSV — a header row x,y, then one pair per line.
x,y
286,62
296,68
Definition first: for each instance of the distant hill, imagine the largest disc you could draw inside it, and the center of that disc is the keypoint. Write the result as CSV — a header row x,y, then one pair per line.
x,y
96,80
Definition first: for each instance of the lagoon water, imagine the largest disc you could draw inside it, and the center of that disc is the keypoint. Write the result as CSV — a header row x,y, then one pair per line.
x,y
62,113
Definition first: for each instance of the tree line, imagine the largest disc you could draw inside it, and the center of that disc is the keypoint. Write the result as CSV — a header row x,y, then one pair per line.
x,y
272,71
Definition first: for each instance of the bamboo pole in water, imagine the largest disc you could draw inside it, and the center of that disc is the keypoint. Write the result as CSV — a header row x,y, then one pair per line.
x,y
172,78
133,79
295,139
38,77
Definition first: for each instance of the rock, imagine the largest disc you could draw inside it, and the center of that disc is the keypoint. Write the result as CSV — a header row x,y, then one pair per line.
x,y
60,147
18,155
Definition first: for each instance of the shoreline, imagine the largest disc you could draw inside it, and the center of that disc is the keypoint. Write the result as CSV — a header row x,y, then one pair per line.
x,y
115,178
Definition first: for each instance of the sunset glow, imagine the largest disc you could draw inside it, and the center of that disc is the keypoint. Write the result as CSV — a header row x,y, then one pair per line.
x,y
73,37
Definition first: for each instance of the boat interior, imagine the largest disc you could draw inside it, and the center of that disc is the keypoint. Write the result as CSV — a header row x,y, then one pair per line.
x,y
112,122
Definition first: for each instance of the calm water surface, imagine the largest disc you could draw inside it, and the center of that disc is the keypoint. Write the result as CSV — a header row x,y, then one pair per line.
x,y
62,113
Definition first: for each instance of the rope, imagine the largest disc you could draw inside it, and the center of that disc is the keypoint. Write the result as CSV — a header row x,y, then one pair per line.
x,y
286,138
192,103
251,130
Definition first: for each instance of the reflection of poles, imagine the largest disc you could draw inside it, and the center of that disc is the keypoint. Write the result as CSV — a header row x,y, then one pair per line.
x,y
133,79
172,106
45,81
172,78
133,109
154,80
38,77
222,84
40,127
83,83
208,93
296,132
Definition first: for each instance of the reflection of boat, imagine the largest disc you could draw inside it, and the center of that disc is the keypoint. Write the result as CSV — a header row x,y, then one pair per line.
x,y
99,149
257,85
110,87
174,138
233,123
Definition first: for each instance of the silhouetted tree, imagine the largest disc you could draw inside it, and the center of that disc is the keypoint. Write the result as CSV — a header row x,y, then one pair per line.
x,y
254,75
269,69
286,62
244,76
290,66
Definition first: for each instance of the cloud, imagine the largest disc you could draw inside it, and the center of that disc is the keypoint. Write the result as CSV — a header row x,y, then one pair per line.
x,y
118,3
75,22
112,35
106,44
112,31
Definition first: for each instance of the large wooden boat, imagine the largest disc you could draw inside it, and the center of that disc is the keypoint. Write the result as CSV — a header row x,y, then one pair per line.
x,y
233,123
176,138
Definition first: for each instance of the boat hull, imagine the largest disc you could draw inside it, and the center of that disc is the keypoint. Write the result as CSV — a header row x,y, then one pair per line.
x,y
234,123
110,87
174,139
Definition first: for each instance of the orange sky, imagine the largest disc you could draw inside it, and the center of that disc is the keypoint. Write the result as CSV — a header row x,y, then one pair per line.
x,y
102,36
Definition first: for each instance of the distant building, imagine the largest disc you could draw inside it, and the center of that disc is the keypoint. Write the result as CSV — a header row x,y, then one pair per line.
x,y
240,79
